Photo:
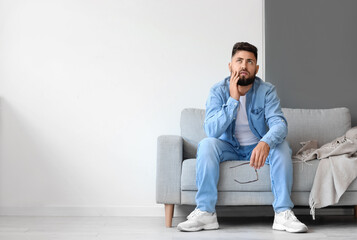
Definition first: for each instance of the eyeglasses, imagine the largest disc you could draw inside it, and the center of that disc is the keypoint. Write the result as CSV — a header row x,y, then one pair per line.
x,y
256,172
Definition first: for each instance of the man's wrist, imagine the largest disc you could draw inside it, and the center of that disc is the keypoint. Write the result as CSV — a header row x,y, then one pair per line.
x,y
235,97
267,144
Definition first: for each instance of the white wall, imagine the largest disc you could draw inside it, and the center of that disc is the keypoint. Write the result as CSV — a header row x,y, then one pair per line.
x,y
86,87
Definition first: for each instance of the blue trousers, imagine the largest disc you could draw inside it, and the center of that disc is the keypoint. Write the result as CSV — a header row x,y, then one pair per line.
x,y
212,151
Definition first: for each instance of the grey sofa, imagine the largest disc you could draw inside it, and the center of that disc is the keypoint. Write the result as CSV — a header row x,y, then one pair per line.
x,y
176,163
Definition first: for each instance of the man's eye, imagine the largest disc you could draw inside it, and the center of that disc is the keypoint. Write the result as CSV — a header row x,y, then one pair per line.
x,y
250,62
239,60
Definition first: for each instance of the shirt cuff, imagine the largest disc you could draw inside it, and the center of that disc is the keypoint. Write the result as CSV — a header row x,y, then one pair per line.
x,y
232,106
268,141
232,102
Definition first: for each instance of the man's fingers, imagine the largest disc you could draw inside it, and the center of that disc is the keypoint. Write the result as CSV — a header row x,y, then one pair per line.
x,y
252,159
235,77
262,160
257,160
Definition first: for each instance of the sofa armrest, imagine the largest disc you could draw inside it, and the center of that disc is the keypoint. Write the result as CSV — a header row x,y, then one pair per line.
x,y
168,169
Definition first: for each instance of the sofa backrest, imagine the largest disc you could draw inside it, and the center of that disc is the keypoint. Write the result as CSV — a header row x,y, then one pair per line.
x,y
323,125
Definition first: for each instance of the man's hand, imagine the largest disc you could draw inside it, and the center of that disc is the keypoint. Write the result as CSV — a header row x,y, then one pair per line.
x,y
233,86
259,155
235,90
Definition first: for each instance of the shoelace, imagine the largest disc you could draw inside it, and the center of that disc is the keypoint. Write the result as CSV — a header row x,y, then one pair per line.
x,y
195,213
290,215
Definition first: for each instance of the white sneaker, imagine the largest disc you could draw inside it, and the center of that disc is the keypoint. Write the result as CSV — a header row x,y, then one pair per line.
x,y
286,221
199,220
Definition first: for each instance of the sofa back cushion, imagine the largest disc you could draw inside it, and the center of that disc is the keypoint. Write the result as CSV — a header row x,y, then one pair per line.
x,y
323,125
192,130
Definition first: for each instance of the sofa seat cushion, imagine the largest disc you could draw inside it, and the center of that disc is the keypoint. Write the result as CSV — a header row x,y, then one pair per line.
x,y
303,177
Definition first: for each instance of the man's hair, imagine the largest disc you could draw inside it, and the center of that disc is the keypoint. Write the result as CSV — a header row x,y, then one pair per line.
x,y
239,46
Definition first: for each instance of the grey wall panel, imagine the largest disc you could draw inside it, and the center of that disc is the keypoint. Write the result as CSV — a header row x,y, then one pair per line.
x,y
311,53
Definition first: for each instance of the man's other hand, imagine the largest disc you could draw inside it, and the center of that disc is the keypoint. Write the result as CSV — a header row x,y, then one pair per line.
x,y
259,155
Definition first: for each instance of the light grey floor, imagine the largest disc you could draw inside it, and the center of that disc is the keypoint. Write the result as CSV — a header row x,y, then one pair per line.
x,y
123,228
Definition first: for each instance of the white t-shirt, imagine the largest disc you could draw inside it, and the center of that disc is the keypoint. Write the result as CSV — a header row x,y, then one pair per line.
x,y
243,133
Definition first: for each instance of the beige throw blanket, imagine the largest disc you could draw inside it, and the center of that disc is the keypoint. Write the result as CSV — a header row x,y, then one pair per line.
x,y
336,171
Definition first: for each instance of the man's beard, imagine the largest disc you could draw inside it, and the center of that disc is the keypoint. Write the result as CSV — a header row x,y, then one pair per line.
x,y
243,81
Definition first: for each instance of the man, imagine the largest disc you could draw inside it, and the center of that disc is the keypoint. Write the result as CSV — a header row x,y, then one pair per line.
x,y
238,111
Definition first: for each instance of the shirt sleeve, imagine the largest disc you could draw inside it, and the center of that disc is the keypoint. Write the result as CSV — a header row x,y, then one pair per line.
x,y
219,114
278,126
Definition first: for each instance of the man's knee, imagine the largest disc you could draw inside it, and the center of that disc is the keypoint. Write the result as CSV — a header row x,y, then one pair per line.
x,y
283,148
282,151
208,145
209,142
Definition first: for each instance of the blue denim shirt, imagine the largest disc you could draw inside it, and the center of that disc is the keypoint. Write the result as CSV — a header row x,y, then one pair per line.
x,y
266,120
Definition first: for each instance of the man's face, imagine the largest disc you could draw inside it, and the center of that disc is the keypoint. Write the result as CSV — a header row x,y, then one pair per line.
x,y
245,64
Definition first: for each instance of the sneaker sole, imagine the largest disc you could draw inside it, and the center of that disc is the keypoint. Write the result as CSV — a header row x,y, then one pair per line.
x,y
212,226
281,227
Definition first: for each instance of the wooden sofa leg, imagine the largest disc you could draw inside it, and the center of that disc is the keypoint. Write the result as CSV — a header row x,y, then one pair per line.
x,y
169,213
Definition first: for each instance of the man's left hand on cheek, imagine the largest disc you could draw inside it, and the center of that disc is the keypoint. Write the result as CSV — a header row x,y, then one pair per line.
x,y
259,155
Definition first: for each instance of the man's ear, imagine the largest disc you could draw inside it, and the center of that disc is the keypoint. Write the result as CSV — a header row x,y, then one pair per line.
x,y
230,67
257,69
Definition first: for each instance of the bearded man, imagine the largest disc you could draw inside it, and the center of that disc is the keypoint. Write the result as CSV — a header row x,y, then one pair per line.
x,y
243,121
